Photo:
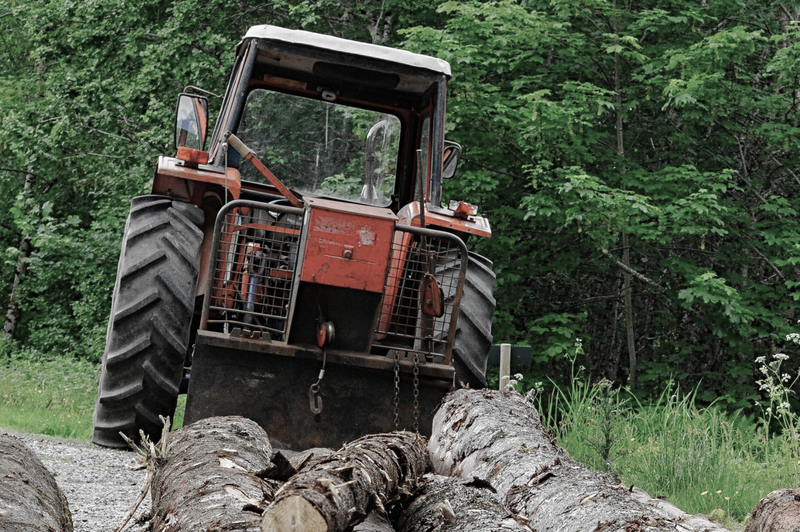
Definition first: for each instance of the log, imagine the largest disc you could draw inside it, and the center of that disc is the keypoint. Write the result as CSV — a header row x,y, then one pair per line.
x,y
448,504
779,511
497,437
30,499
209,479
376,521
337,491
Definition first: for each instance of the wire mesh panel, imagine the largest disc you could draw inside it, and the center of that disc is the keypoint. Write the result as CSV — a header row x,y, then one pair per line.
x,y
256,249
423,293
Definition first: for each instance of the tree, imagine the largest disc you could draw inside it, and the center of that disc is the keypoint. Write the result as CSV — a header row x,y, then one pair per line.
x,y
651,144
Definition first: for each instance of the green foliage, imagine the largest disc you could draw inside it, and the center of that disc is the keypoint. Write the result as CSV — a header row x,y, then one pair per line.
x,y
704,460
53,396
672,124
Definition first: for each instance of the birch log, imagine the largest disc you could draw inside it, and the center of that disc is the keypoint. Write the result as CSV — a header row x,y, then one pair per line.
x,y
447,504
30,499
777,512
497,437
210,477
338,491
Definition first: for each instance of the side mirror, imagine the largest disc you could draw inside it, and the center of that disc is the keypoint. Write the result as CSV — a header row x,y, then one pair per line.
x,y
191,121
452,153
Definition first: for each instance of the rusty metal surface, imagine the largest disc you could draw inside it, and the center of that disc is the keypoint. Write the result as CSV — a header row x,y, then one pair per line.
x,y
439,217
171,167
348,245
257,347
403,324
254,259
272,390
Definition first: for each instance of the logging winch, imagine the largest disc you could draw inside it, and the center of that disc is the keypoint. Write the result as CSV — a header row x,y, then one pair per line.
x,y
301,268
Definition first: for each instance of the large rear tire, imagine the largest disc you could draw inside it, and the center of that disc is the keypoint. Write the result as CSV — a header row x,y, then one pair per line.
x,y
151,316
474,326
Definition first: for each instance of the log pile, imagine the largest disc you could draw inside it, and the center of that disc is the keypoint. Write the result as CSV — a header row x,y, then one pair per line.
x,y
496,468
30,500
497,471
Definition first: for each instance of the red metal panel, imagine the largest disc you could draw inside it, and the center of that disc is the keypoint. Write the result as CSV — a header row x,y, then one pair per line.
x,y
170,167
348,245
475,225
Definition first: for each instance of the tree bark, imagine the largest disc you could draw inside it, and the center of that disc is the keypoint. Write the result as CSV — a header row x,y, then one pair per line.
x,y
210,477
777,512
338,491
629,334
30,499
448,504
12,313
497,437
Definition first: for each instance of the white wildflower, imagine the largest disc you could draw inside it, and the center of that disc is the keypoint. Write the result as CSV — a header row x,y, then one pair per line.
x,y
793,337
780,356
761,360
518,376
786,377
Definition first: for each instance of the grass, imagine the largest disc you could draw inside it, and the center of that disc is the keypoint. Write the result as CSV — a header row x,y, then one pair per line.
x,y
704,460
53,396
48,396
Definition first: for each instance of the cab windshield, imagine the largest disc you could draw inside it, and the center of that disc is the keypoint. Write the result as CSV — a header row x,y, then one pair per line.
x,y
321,148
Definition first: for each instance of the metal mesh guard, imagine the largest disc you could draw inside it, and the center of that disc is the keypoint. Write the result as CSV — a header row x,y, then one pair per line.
x,y
402,324
255,269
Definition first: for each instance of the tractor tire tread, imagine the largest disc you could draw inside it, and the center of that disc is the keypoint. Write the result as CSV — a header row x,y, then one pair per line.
x,y
152,311
474,324
110,396
144,264
129,350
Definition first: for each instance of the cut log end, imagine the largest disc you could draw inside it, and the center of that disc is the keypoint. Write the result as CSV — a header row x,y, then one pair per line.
x,y
293,514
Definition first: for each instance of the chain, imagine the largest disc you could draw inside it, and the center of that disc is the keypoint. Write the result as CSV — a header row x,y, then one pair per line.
x,y
416,393
397,390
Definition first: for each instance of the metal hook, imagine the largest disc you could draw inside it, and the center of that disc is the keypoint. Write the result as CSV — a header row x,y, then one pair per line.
x,y
314,399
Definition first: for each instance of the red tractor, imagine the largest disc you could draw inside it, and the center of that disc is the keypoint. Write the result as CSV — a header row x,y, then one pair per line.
x,y
326,295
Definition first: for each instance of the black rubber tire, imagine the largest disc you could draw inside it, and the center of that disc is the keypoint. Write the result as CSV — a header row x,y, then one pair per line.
x,y
474,326
151,314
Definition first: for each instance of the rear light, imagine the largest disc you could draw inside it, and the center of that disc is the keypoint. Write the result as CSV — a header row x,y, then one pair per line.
x,y
191,157
462,209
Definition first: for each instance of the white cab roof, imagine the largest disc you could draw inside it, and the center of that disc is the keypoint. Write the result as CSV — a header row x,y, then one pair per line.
x,y
336,44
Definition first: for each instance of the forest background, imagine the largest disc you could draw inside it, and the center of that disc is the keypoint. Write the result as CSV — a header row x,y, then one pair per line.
x,y
639,162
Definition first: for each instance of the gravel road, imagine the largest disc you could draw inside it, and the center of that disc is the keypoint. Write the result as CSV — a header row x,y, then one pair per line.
x,y
100,484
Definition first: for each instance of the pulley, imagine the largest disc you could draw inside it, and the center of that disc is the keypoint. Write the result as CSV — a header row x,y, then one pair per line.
x,y
326,333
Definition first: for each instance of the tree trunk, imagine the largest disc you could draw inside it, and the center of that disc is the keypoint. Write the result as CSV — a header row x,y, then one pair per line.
x,y
777,512
12,314
448,504
30,500
209,479
497,437
339,490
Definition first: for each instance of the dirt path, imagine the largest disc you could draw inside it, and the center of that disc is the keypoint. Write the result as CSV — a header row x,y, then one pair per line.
x,y
99,483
